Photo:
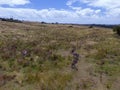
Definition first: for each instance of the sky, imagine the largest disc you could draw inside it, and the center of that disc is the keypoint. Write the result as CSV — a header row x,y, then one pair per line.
x,y
63,11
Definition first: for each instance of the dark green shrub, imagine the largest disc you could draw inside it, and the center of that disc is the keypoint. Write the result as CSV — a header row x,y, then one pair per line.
x,y
117,29
11,20
43,22
70,26
91,26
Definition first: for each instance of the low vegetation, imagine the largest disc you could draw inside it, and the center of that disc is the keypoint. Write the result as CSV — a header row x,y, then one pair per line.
x,y
117,29
35,56
10,20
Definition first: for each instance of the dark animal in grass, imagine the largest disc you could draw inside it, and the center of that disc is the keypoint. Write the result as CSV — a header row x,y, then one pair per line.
x,y
75,59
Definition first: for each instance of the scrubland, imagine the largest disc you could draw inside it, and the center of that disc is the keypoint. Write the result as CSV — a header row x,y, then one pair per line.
x,y
36,56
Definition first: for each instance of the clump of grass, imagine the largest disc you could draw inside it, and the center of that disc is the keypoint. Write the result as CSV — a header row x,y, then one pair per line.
x,y
49,80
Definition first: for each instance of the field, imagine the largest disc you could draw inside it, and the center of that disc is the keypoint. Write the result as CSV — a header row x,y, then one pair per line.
x,y
36,56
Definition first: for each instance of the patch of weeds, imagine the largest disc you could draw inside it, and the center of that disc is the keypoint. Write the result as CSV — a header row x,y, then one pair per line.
x,y
108,85
110,70
51,80
87,84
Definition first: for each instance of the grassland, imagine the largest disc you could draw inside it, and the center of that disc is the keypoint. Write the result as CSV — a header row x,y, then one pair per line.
x,y
36,56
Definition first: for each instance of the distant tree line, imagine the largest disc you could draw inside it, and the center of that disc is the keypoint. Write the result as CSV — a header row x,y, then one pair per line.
x,y
49,23
10,20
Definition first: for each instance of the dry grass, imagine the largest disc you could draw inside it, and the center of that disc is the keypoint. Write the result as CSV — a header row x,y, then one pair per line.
x,y
37,56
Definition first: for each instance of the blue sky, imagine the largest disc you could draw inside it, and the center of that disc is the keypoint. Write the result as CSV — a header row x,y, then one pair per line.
x,y
42,4
63,11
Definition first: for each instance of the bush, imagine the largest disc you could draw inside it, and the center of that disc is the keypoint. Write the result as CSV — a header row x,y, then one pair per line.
x,y
70,26
117,29
43,22
91,26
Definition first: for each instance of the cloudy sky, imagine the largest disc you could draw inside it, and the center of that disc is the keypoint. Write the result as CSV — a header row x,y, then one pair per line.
x,y
63,11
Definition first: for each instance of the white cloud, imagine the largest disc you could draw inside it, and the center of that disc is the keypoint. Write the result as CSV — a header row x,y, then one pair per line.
x,y
70,2
49,15
89,14
108,4
114,13
105,8
14,2
53,15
